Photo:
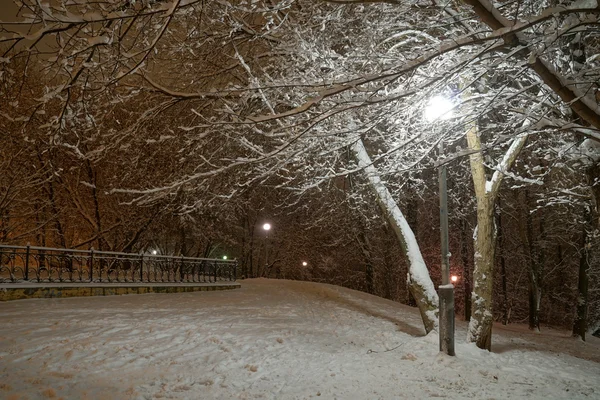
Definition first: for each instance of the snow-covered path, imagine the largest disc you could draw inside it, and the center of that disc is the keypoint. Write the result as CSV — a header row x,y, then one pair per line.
x,y
271,340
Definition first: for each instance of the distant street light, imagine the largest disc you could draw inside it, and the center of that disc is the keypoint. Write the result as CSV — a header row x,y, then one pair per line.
x,y
304,263
267,228
441,108
454,278
154,252
224,257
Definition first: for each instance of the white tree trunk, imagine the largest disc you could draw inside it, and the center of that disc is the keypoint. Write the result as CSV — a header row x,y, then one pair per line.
x,y
419,282
480,325
486,192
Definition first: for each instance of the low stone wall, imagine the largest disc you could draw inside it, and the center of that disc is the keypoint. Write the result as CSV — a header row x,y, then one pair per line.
x,y
14,292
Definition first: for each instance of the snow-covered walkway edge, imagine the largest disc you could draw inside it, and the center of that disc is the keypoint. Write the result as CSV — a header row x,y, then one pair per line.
x,y
272,340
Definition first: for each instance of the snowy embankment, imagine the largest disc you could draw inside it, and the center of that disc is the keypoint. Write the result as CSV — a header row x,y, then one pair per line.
x,y
272,340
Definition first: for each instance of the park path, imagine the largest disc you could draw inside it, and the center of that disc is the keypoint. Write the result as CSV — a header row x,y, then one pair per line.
x,y
271,339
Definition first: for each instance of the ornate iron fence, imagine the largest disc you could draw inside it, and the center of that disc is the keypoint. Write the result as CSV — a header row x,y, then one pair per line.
x,y
42,264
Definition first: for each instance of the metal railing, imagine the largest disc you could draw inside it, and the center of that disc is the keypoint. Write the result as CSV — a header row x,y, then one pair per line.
x,y
42,264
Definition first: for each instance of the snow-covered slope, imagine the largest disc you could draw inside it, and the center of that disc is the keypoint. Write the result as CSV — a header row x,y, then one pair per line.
x,y
272,340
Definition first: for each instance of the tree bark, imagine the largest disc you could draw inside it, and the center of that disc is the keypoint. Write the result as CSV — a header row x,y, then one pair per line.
x,y
365,246
56,215
480,325
420,284
464,255
98,219
580,323
592,222
535,292
502,267
49,189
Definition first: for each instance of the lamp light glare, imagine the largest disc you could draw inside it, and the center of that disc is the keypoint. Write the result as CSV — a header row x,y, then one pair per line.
x,y
454,278
154,252
304,263
267,227
439,107
224,257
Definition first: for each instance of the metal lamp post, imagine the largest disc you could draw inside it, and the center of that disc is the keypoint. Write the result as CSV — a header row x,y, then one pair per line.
x,y
446,290
441,108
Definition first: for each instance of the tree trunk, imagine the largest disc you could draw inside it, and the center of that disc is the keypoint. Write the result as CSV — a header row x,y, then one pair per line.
x,y
534,301
580,323
49,189
244,264
590,228
420,284
4,223
465,259
365,246
56,215
486,192
183,249
98,219
480,325
534,270
502,267
39,218
369,278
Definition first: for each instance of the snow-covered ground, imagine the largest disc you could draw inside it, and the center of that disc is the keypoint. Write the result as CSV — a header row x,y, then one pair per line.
x,y
272,340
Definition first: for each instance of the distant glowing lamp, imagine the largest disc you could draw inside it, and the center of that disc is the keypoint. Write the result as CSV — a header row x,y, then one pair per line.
x,y
154,252
304,263
224,257
454,278
267,227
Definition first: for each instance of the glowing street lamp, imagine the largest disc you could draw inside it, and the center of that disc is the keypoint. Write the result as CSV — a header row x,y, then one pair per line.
x,y
154,252
454,278
266,227
224,257
304,263
441,108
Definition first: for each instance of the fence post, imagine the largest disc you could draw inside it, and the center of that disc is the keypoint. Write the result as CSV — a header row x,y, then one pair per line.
x,y
216,264
174,269
181,270
91,266
235,270
27,262
142,267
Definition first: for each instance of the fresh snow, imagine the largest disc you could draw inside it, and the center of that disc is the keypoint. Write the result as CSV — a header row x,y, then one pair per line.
x,y
584,4
513,151
272,339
